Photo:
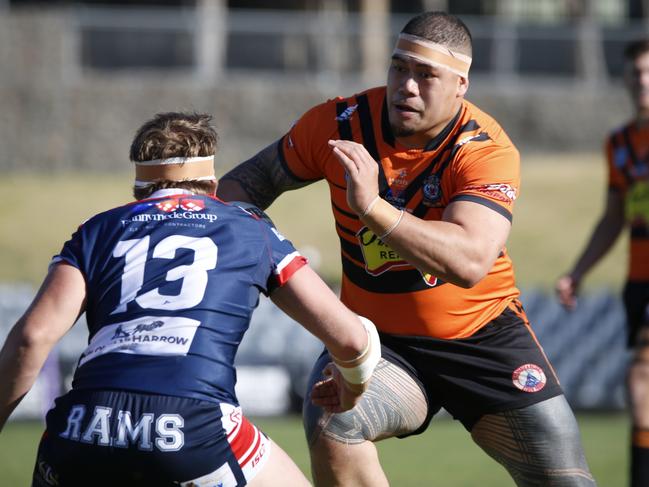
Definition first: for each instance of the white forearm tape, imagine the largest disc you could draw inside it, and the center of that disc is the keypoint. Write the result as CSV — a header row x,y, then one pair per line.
x,y
360,369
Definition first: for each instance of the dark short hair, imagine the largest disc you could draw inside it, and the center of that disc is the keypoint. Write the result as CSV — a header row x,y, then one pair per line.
x,y
441,28
635,49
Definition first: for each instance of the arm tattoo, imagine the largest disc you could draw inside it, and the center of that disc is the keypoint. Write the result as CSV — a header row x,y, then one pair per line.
x,y
264,177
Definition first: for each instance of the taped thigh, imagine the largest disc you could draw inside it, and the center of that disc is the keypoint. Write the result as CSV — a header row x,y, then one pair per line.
x,y
538,444
393,405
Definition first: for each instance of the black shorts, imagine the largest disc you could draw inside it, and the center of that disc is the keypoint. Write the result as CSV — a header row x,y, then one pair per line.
x,y
499,368
109,438
636,304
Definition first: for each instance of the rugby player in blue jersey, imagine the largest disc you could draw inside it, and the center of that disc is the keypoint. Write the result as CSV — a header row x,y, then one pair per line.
x,y
168,284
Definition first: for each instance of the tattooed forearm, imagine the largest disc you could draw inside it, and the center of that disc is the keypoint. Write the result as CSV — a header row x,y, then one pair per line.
x,y
263,177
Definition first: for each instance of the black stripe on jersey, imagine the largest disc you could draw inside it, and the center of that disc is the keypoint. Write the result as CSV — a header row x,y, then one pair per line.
x,y
284,164
436,141
485,202
405,281
632,154
481,137
369,141
347,231
337,186
344,212
417,183
350,248
344,126
366,127
639,232
386,129
471,125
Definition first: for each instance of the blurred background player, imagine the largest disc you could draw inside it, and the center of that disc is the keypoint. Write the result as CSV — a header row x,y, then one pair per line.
x,y
168,284
627,203
423,211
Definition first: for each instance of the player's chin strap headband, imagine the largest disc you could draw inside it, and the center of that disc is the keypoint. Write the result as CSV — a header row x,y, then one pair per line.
x,y
174,169
433,54
357,372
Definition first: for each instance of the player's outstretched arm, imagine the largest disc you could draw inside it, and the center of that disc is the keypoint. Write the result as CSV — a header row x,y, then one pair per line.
x,y
56,307
352,341
606,232
259,180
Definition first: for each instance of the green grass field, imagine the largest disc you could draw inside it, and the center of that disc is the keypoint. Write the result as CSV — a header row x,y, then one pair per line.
x,y
444,456
561,198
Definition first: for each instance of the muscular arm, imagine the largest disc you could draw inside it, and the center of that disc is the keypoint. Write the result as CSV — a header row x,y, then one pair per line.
x,y
310,302
606,232
460,249
56,307
259,180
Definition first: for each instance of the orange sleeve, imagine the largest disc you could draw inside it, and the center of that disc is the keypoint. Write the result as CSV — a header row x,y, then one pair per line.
x,y
616,179
304,149
489,175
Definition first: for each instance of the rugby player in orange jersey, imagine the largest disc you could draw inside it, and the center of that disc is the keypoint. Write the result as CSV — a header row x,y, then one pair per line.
x,y
627,151
422,188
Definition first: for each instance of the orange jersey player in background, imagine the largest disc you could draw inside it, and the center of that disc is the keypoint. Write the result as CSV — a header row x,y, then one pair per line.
x,y
422,189
627,204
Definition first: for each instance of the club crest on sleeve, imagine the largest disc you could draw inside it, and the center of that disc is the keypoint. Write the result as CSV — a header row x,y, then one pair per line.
x,y
529,378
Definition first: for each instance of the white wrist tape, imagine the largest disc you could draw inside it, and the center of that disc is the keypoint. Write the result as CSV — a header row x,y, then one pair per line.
x,y
360,369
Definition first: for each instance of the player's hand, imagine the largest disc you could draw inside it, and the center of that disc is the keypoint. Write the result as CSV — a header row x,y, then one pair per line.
x,y
566,288
333,393
362,173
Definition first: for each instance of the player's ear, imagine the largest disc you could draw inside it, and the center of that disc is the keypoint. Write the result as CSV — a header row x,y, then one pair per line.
x,y
462,86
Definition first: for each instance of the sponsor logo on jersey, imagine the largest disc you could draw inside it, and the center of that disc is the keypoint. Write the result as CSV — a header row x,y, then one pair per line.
x,y
529,378
397,186
378,256
161,335
347,114
189,204
168,205
432,189
498,191
637,204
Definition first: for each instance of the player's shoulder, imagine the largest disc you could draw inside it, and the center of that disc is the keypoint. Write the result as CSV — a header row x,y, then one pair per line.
x,y
246,210
476,126
344,107
108,215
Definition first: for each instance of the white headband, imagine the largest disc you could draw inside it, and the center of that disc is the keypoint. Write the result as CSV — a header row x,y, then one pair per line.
x,y
174,169
433,54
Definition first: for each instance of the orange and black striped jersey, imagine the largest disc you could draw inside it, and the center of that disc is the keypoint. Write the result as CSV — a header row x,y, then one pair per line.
x,y
627,151
472,159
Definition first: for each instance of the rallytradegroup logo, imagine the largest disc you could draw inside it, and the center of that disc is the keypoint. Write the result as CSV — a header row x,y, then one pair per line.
x,y
171,209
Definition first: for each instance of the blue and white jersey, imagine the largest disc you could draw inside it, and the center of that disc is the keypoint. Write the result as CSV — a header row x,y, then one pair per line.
x,y
172,282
